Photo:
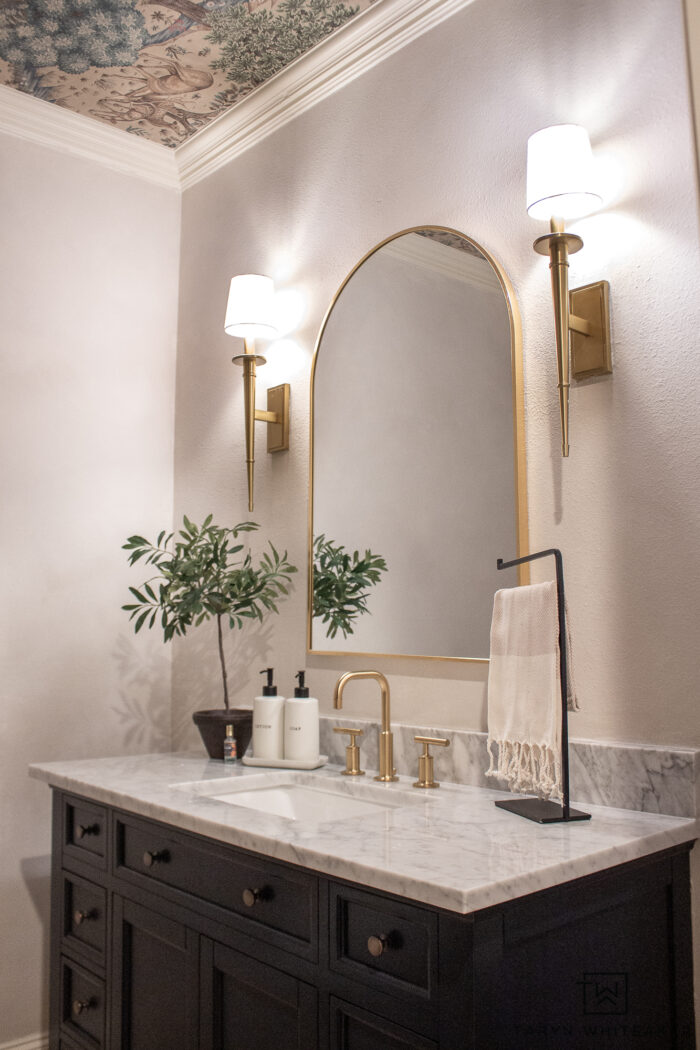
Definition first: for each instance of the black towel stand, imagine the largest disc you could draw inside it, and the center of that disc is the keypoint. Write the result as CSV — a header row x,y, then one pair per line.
x,y
542,810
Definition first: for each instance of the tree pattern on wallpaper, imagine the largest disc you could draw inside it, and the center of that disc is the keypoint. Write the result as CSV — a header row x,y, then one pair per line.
x,y
159,69
256,46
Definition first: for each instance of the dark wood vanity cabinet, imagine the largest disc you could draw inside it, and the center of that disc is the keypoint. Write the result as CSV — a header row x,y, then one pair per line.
x,y
165,940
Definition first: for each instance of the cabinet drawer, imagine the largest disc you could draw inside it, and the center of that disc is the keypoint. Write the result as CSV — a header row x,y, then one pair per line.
x,y
85,831
390,945
262,895
84,916
82,1003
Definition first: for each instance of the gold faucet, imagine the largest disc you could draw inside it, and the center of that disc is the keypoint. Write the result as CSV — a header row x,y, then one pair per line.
x,y
386,737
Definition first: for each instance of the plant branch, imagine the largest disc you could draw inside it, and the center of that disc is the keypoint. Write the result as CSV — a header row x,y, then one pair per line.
x,y
223,660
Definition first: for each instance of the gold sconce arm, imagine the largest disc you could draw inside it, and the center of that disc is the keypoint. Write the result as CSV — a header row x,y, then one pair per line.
x,y
276,416
561,182
590,342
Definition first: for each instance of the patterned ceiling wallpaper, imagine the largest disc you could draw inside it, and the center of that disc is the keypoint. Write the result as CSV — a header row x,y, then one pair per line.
x,y
160,69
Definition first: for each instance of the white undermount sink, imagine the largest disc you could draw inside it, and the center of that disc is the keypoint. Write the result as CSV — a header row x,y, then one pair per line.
x,y
300,796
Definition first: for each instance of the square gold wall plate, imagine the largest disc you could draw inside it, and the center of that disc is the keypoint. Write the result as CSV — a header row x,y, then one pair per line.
x,y
591,354
278,433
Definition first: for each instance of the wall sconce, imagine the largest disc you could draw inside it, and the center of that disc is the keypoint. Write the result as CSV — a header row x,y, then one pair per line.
x,y
249,314
560,187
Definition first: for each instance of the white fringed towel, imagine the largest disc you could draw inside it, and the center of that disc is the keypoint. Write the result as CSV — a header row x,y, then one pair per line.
x,y
524,695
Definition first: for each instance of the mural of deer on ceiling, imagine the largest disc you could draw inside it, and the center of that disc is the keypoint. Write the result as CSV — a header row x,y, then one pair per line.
x,y
159,69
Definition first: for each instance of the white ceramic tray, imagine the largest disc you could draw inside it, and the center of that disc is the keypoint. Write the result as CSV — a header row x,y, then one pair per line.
x,y
284,763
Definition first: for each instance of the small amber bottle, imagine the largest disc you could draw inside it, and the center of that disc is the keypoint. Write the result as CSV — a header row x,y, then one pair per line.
x,y
230,753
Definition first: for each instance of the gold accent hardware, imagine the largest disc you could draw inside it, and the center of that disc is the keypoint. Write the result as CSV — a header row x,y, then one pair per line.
x,y
352,752
81,1005
276,416
156,856
313,645
376,946
79,917
589,328
425,761
386,737
251,897
591,356
561,182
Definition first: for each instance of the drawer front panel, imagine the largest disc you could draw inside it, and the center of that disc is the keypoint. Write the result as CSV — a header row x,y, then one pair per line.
x,y
356,1029
84,915
388,944
261,894
82,1003
85,831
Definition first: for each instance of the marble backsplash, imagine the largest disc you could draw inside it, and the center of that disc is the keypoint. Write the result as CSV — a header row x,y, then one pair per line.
x,y
626,776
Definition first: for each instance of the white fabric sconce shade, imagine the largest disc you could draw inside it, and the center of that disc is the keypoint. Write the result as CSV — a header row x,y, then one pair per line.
x,y
250,307
560,178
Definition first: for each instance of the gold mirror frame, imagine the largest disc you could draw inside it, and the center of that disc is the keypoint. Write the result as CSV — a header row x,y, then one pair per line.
x,y
519,457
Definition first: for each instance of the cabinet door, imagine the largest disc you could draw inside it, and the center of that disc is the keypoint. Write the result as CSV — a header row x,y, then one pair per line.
x,y
356,1029
247,1004
154,980
593,963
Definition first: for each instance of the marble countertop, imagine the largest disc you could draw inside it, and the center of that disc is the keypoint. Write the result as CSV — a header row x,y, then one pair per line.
x,y
451,847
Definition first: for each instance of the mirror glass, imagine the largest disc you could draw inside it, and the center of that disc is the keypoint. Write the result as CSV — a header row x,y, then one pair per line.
x,y
417,465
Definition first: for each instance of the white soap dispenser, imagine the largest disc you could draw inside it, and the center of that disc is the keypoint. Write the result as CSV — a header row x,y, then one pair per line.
x,y
268,721
301,740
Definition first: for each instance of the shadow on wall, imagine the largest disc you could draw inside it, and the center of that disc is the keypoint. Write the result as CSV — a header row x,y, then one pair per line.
x,y
197,680
36,875
143,708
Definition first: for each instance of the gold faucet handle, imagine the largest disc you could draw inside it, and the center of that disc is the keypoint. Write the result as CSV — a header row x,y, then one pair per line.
x,y
425,761
352,752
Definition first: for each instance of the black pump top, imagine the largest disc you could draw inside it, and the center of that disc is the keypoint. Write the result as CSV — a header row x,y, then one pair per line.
x,y
301,689
269,689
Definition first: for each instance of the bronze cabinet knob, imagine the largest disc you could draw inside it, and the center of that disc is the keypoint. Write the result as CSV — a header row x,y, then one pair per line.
x,y
79,917
81,1005
156,856
376,946
251,897
86,829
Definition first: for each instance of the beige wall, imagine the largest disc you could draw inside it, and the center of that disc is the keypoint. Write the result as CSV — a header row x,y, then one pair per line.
x,y
88,273
437,134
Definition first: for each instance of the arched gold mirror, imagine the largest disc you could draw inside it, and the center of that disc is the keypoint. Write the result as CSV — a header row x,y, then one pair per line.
x,y
417,451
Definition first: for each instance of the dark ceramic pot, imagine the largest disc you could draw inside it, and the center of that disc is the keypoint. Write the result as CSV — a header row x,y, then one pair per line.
x,y
212,727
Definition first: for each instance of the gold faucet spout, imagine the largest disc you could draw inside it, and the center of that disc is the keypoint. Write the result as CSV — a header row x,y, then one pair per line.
x,y
386,738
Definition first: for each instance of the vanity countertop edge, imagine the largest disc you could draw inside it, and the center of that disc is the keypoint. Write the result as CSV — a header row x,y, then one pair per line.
x,y
451,848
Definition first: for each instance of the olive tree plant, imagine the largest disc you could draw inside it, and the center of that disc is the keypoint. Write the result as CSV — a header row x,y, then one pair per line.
x,y
341,584
203,573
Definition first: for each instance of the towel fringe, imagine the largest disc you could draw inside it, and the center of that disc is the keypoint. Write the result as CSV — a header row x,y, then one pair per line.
x,y
527,768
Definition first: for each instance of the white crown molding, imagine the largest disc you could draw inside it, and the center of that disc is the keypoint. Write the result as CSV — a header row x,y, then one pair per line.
x,y
453,263
370,37
373,35
58,128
